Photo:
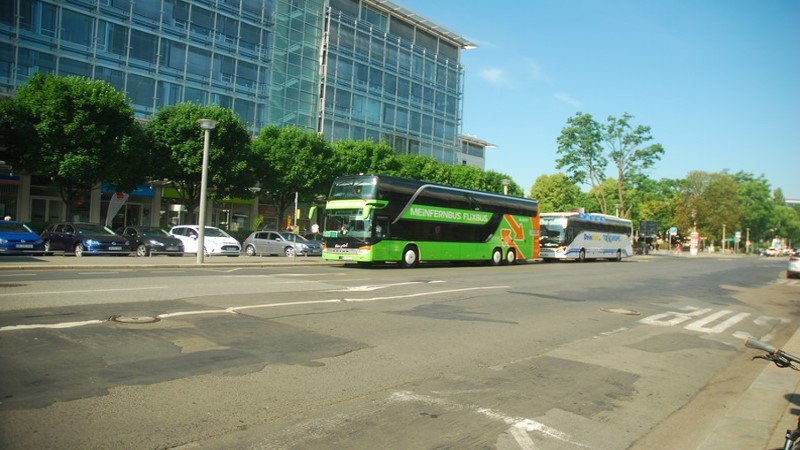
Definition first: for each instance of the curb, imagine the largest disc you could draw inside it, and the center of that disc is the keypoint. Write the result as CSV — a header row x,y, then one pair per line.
x,y
762,413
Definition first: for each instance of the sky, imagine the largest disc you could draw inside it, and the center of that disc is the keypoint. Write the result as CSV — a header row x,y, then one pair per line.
x,y
717,81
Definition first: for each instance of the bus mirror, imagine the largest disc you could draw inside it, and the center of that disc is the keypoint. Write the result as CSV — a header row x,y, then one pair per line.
x,y
366,212
311,212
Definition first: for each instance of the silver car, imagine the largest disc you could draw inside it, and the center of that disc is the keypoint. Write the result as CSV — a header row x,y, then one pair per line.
x,y
280,242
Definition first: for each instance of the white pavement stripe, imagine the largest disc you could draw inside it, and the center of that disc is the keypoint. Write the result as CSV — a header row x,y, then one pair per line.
x,y
82,291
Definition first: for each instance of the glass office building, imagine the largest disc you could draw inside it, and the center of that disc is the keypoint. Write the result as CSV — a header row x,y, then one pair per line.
x,y
348,69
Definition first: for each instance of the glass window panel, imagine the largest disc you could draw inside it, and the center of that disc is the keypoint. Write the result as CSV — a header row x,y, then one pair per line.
x,y
143,46
140,90
402,118
76,28
6,59
31,61
362,74
168,94
427,125
224,101
113,77
150,9
373,110
250,37
347,40
247,75
173,54
202,21
389,84
68,66
7,13
373,135
118,39
375,80
246,110
401,29
359,107
362,44
224,68
403,88
349,7
195,95
199,62
371,15
344,70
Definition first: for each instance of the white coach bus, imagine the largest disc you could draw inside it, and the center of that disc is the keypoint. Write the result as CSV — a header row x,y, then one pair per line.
x,y
580,236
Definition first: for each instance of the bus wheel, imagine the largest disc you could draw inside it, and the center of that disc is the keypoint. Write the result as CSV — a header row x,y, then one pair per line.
x,y
511,256
582,255
619,256
497,257
410,257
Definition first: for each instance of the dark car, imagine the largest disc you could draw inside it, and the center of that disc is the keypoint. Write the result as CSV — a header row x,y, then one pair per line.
x,y
16,238
146,241
84,238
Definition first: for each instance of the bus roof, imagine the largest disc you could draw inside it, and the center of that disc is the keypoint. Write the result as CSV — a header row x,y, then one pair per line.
x,y
586,216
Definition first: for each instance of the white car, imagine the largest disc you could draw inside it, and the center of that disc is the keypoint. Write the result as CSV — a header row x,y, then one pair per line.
x,y
217,242
793,271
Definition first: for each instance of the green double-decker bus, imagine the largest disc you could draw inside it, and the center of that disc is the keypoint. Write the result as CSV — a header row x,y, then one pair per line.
x,y
376,218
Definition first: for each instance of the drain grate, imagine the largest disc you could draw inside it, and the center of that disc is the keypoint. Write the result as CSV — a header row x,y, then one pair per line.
x,y
134,319
625,311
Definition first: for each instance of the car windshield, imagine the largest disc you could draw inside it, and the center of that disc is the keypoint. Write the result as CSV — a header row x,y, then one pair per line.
x,y
215,232
152,232
92,228
15,227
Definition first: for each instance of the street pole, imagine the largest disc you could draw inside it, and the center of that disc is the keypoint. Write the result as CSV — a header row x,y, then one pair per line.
x,y
207,125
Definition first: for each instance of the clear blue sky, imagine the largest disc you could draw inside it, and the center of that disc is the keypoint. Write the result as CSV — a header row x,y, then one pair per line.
x,y
718,81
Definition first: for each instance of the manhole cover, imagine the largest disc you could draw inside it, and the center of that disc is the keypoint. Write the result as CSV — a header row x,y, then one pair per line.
x,y
134,319
627,312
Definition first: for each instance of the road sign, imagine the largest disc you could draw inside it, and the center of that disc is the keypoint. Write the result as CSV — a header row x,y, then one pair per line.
x,y
673,230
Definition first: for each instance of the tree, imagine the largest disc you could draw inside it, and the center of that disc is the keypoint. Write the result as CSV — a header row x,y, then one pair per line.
x,y
709,202
755,203
585,148
291,161
353,157
177,145
582,153
631,156
556,193
76,131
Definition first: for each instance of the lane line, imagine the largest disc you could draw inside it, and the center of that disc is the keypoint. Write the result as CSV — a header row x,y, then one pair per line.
x,y
82,291
235,309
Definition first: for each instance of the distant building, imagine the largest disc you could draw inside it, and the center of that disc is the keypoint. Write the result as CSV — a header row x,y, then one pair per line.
x,y
348,69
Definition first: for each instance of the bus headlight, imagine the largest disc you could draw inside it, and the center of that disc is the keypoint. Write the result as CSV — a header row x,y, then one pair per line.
x,y
364,250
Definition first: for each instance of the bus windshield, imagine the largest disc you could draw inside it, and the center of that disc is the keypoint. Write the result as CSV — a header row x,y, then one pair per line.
x,y
347,222
353,188
552,231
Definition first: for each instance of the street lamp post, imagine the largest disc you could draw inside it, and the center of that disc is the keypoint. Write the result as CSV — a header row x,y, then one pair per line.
x,y
207,125
505,182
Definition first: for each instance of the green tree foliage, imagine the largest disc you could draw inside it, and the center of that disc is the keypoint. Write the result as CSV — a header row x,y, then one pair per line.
x,y
585,148
177,146
426,168
78,132
354,157
291,160
556,193
756,205
581,153
630,154
659,202
709,200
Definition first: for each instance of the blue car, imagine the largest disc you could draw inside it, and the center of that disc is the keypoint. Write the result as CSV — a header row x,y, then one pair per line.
x,y
16,238
84,238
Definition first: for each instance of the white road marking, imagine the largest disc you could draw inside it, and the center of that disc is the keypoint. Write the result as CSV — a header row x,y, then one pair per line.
x,y
53,325
235,309
700,325
18,275
519,426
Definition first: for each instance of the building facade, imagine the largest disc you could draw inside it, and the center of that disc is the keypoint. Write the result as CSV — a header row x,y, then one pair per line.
x,y
348,69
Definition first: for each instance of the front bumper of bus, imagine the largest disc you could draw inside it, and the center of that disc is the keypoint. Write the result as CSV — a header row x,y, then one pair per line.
x,y
553,253
359,254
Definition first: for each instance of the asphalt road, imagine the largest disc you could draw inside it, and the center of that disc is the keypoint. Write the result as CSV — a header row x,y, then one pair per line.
x,y
234,355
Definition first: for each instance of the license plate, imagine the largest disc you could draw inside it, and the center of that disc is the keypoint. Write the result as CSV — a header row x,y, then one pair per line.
x,y
24,245
115,248
172,249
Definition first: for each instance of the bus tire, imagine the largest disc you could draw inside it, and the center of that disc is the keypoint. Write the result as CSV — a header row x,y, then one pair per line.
x,y
511,256
618,257
497,257
582,255
410,257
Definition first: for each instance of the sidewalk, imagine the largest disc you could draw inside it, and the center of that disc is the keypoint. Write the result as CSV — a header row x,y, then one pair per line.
x,y
764,411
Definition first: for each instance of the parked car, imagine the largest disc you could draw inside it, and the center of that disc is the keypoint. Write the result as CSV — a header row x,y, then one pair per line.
x,y
793,271
280,242
146,241
84,238
16,238
217,241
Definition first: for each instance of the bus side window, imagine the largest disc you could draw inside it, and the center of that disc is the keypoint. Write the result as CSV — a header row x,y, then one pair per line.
x,y
381,226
